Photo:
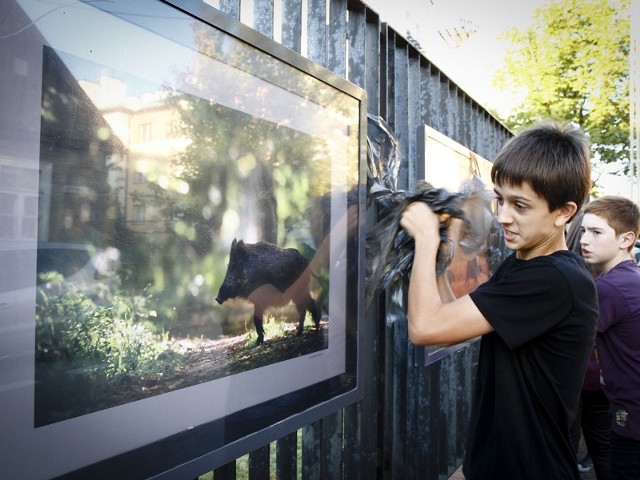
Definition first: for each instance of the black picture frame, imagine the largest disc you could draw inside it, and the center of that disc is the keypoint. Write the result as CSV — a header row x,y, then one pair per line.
x,y
187,431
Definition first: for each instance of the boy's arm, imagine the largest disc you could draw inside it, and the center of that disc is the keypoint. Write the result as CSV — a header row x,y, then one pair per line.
x,y
432,321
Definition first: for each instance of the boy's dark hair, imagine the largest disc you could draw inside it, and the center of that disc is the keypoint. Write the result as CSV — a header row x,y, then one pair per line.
x,y
553,158
620,213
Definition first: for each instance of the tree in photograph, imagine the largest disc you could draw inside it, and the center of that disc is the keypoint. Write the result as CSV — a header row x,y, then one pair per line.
x,y
572,64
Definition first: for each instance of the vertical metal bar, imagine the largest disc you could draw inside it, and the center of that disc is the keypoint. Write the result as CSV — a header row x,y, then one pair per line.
x,y
401,108
451,105
462,120
437,430
311,451
474,124
231,8
286,457
384,72
399,435
412,449
317,31
413,112
424,95
225,472
389,75
356,54
372,62
337,37
292,24
443,88
371,413
259,464
332,446
445,415
263,17
434,97
387,436
354,456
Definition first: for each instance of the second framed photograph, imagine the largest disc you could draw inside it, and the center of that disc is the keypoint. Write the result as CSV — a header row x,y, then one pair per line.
x,y
445,163
181,239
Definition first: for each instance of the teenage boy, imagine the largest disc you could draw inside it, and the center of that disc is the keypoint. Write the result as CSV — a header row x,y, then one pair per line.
x,y
537,314
609,232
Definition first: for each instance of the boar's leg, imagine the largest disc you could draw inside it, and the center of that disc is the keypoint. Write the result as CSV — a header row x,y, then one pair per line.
x,y
258,314
315,313
257,321
307,304
262,298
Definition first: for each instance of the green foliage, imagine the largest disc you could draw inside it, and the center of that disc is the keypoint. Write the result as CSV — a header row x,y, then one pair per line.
x,y
101,340
572,65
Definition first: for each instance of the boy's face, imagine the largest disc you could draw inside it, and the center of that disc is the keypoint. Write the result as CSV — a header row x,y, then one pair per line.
x,y
599,242
528,226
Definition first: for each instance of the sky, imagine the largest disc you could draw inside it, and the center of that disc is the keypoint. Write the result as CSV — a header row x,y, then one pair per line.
x,y
470,64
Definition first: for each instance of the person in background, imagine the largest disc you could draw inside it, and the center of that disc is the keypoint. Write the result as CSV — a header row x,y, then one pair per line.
x,y
537,314
593,419
609,232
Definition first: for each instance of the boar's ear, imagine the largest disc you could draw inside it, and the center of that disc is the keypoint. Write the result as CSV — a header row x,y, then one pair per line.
x,y
240,250
233,243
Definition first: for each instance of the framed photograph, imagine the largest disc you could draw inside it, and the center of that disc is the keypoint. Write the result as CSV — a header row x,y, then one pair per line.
x,y
445,163
180,239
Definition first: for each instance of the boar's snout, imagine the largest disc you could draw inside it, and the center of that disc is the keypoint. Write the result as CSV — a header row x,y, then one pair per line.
x,y
219,300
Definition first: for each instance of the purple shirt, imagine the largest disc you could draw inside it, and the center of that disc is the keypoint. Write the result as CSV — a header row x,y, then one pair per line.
x,y
618,343
593,377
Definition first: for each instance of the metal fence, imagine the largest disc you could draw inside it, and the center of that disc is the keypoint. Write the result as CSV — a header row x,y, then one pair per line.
x,y
411,421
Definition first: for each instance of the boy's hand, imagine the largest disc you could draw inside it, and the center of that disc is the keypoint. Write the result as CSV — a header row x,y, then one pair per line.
x,y
421,223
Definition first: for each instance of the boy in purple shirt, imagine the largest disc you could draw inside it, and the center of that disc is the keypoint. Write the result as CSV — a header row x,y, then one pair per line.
x,y
610,229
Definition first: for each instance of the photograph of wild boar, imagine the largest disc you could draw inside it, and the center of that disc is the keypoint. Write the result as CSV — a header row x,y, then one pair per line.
x,y
192,247
268,276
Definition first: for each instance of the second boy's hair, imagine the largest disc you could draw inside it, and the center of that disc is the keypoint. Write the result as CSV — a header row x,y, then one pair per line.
x,y
620,213
553,158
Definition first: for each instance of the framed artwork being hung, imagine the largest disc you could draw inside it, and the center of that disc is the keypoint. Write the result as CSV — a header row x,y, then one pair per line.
x,y
445,163
180,239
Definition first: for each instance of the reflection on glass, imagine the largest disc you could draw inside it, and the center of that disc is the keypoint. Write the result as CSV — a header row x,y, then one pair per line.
x,y
143,189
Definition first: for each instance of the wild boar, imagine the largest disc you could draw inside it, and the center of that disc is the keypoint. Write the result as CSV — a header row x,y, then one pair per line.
x,y
267,276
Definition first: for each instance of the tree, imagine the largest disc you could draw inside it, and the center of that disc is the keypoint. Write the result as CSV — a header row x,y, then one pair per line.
x,y
572,64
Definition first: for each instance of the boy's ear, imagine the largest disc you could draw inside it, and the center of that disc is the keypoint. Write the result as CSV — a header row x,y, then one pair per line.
x,y
628,239
565,213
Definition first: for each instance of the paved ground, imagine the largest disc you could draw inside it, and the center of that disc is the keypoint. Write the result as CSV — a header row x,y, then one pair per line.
x,y
457,475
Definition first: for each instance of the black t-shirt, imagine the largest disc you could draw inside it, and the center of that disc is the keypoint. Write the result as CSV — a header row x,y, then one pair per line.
x,y
531,368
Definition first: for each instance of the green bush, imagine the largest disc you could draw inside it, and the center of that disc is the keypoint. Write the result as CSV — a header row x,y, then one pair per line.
x,y
102,340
